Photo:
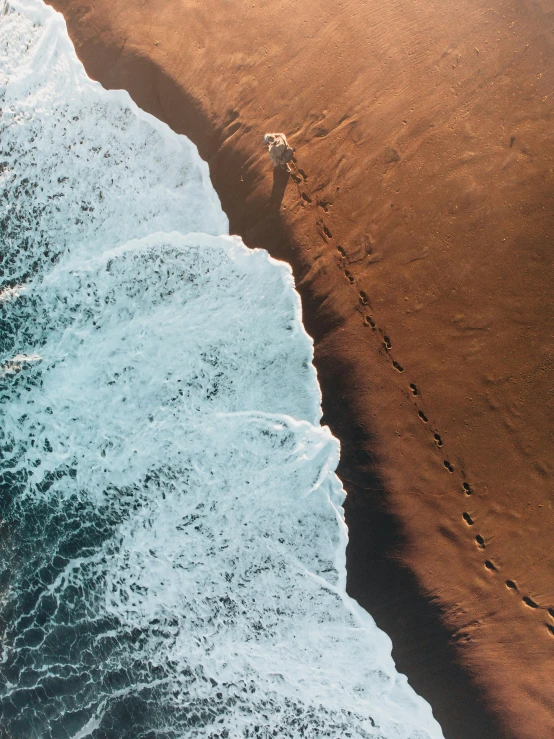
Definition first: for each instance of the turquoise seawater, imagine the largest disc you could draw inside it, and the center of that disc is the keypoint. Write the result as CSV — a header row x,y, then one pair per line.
x,y
171,532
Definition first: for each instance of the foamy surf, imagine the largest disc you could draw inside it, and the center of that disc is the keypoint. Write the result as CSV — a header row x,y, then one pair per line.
x,y
172,532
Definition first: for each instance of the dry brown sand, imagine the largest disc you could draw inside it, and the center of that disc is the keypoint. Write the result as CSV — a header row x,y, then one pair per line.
x,y
421,233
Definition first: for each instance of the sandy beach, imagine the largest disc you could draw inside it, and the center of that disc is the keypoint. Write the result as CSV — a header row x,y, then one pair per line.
x,y
419,222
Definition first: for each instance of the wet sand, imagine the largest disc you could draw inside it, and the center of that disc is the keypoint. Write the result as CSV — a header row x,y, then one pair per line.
x,y
420,226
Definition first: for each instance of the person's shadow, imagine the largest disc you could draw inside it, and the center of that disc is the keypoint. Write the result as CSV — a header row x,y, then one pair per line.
x,y
280,181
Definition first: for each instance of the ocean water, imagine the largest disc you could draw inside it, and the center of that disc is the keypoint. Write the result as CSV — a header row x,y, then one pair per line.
x,y
172,544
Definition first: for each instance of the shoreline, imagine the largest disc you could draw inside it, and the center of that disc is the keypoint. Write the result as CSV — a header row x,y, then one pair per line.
x,y
376,231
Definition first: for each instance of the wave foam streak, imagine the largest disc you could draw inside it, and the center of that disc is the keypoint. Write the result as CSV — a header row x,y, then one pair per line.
x,y
172,534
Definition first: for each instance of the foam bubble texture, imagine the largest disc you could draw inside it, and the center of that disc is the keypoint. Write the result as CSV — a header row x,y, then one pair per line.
x,y
172,538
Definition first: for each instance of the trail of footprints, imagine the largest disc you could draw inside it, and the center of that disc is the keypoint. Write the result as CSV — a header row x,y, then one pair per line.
x,y
300,177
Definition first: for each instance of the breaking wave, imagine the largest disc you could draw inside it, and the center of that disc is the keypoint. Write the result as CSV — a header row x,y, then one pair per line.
x,y
172,539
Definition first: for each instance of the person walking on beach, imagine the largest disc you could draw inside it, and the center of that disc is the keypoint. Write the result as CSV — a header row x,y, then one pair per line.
x,y
279,151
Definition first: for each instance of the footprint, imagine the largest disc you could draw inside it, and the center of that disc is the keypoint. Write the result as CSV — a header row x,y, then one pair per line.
x,y
397,367
341,251
467,518
550,628
529,602
467,488
490,566
448,466
349,276
387,343
413,388
550,612
480,541
296,178
302,174
323,205
327,232
510,584
368,320
307,198
423,417
363,298
438,440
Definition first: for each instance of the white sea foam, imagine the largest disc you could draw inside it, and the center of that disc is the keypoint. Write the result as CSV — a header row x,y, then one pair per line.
x,y
173,539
